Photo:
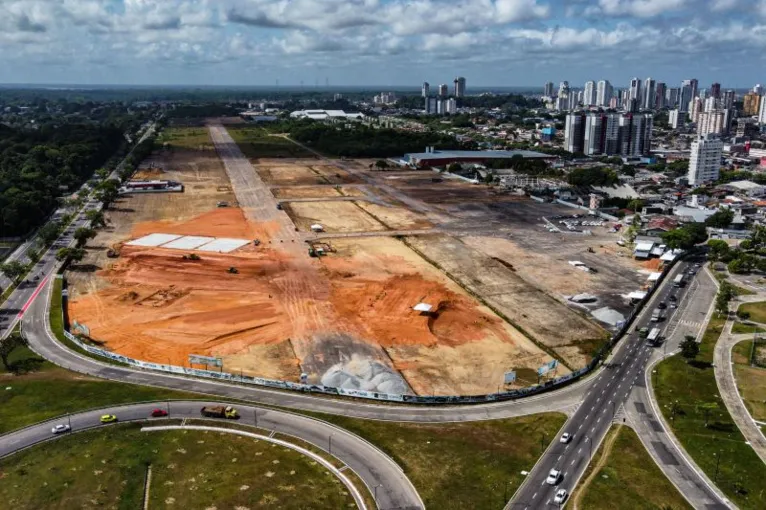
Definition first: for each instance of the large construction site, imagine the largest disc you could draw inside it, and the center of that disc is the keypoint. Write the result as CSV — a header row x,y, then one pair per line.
x,y
395,281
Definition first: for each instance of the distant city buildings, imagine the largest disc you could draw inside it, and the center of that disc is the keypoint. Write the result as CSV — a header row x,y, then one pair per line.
x,y
649,98
548,89
685,95
634,92
752,103
659,95
426,89
728,99
762,111
608,134
715,90
443,90
459,86
711,123
604,93
676,118
705,160
384,98
671,97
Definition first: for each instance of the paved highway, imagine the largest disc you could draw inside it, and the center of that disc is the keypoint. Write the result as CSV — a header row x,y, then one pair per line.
x,y
590,423
373,466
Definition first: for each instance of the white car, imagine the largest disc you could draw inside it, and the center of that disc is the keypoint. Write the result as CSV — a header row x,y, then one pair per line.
x,y
553,477
561,496
565,437
60,429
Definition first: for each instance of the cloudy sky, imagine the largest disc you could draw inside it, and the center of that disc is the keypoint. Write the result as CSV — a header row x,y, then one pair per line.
x,y
381,42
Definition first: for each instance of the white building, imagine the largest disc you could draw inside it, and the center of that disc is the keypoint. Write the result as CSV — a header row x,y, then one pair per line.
x,y
443,90
676,118
695,108
648,99
604,91
574,133
711,103
589,94
459,86
325,115
426,90
762,111
705,161
711,123
635,89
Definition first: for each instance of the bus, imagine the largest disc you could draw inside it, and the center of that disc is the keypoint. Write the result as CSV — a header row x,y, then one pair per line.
x,y
654,337
678,281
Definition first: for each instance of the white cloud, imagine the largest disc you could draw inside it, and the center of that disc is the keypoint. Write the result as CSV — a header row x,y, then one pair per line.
x,y
639,8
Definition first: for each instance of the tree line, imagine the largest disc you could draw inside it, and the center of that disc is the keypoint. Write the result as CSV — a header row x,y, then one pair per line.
x,y
39,166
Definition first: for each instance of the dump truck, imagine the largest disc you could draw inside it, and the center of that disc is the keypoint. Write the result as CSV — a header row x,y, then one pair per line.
x,y
219,412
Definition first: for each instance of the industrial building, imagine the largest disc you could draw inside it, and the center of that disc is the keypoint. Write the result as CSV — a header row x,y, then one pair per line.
x,y
433,157
325,115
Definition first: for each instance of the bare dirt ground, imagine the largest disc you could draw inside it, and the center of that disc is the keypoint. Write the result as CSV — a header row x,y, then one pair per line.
x,y
535,312
333,216
345,319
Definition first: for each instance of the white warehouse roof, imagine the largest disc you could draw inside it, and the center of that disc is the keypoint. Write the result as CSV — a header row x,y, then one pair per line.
x,y
324,114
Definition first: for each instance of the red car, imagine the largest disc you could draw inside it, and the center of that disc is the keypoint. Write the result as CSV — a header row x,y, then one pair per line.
x,y
159,413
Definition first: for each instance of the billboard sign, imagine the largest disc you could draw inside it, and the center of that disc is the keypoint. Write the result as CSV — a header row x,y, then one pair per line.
x,y
195,359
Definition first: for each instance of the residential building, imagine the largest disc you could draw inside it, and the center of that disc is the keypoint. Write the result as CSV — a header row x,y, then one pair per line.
x,y
574,133
685,95
747,128
563,89
426,89
589,94
762,111
694,84
459,86
604,92
711,103
671,97
594,131
562,103
635,89
728,99
752,103
695,108
705,160
659,95
548,89
710,123
702,94
384,98
443,90
614,102
431,105
758,89
635,134
676,118
648,100
624,97
715,90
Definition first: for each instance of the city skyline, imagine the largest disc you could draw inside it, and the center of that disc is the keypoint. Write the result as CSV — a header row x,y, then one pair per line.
x,y
392,43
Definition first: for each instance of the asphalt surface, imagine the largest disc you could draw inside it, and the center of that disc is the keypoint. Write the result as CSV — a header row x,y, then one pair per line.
x,y
590,423
375,468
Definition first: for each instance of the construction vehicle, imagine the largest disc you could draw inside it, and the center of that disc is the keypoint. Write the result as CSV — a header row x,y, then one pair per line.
x,y
256,242
219,412
191,256
279,206
233,270
320,248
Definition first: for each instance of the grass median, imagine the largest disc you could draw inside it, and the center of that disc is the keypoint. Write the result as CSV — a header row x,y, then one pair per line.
x,y
623,475
751,379
691,403
757,311
190,469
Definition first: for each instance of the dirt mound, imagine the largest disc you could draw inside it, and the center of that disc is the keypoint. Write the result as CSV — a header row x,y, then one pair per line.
x,y
385,309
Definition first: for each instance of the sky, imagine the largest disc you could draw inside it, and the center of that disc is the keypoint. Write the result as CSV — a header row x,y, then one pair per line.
x,y
383,43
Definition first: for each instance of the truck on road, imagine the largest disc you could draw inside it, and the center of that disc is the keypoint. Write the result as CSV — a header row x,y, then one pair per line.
x,y
219,412
656,315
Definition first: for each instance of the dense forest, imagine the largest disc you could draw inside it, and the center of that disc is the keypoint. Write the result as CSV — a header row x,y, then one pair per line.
x,y
37,166
360,141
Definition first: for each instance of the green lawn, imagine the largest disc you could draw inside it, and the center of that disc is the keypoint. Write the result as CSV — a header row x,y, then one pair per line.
x,y
106,468
626,478
741,328
757,311
751,380
257,142
185,138
462,465
711,439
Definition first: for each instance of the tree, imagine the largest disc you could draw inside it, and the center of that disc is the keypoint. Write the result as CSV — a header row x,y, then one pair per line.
x,y
8,345
381,164
718,249
82,235
13,269
689,348
73,254
722,218
685,237
102,173
96,218
454,168
49,232
636,205
706,408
